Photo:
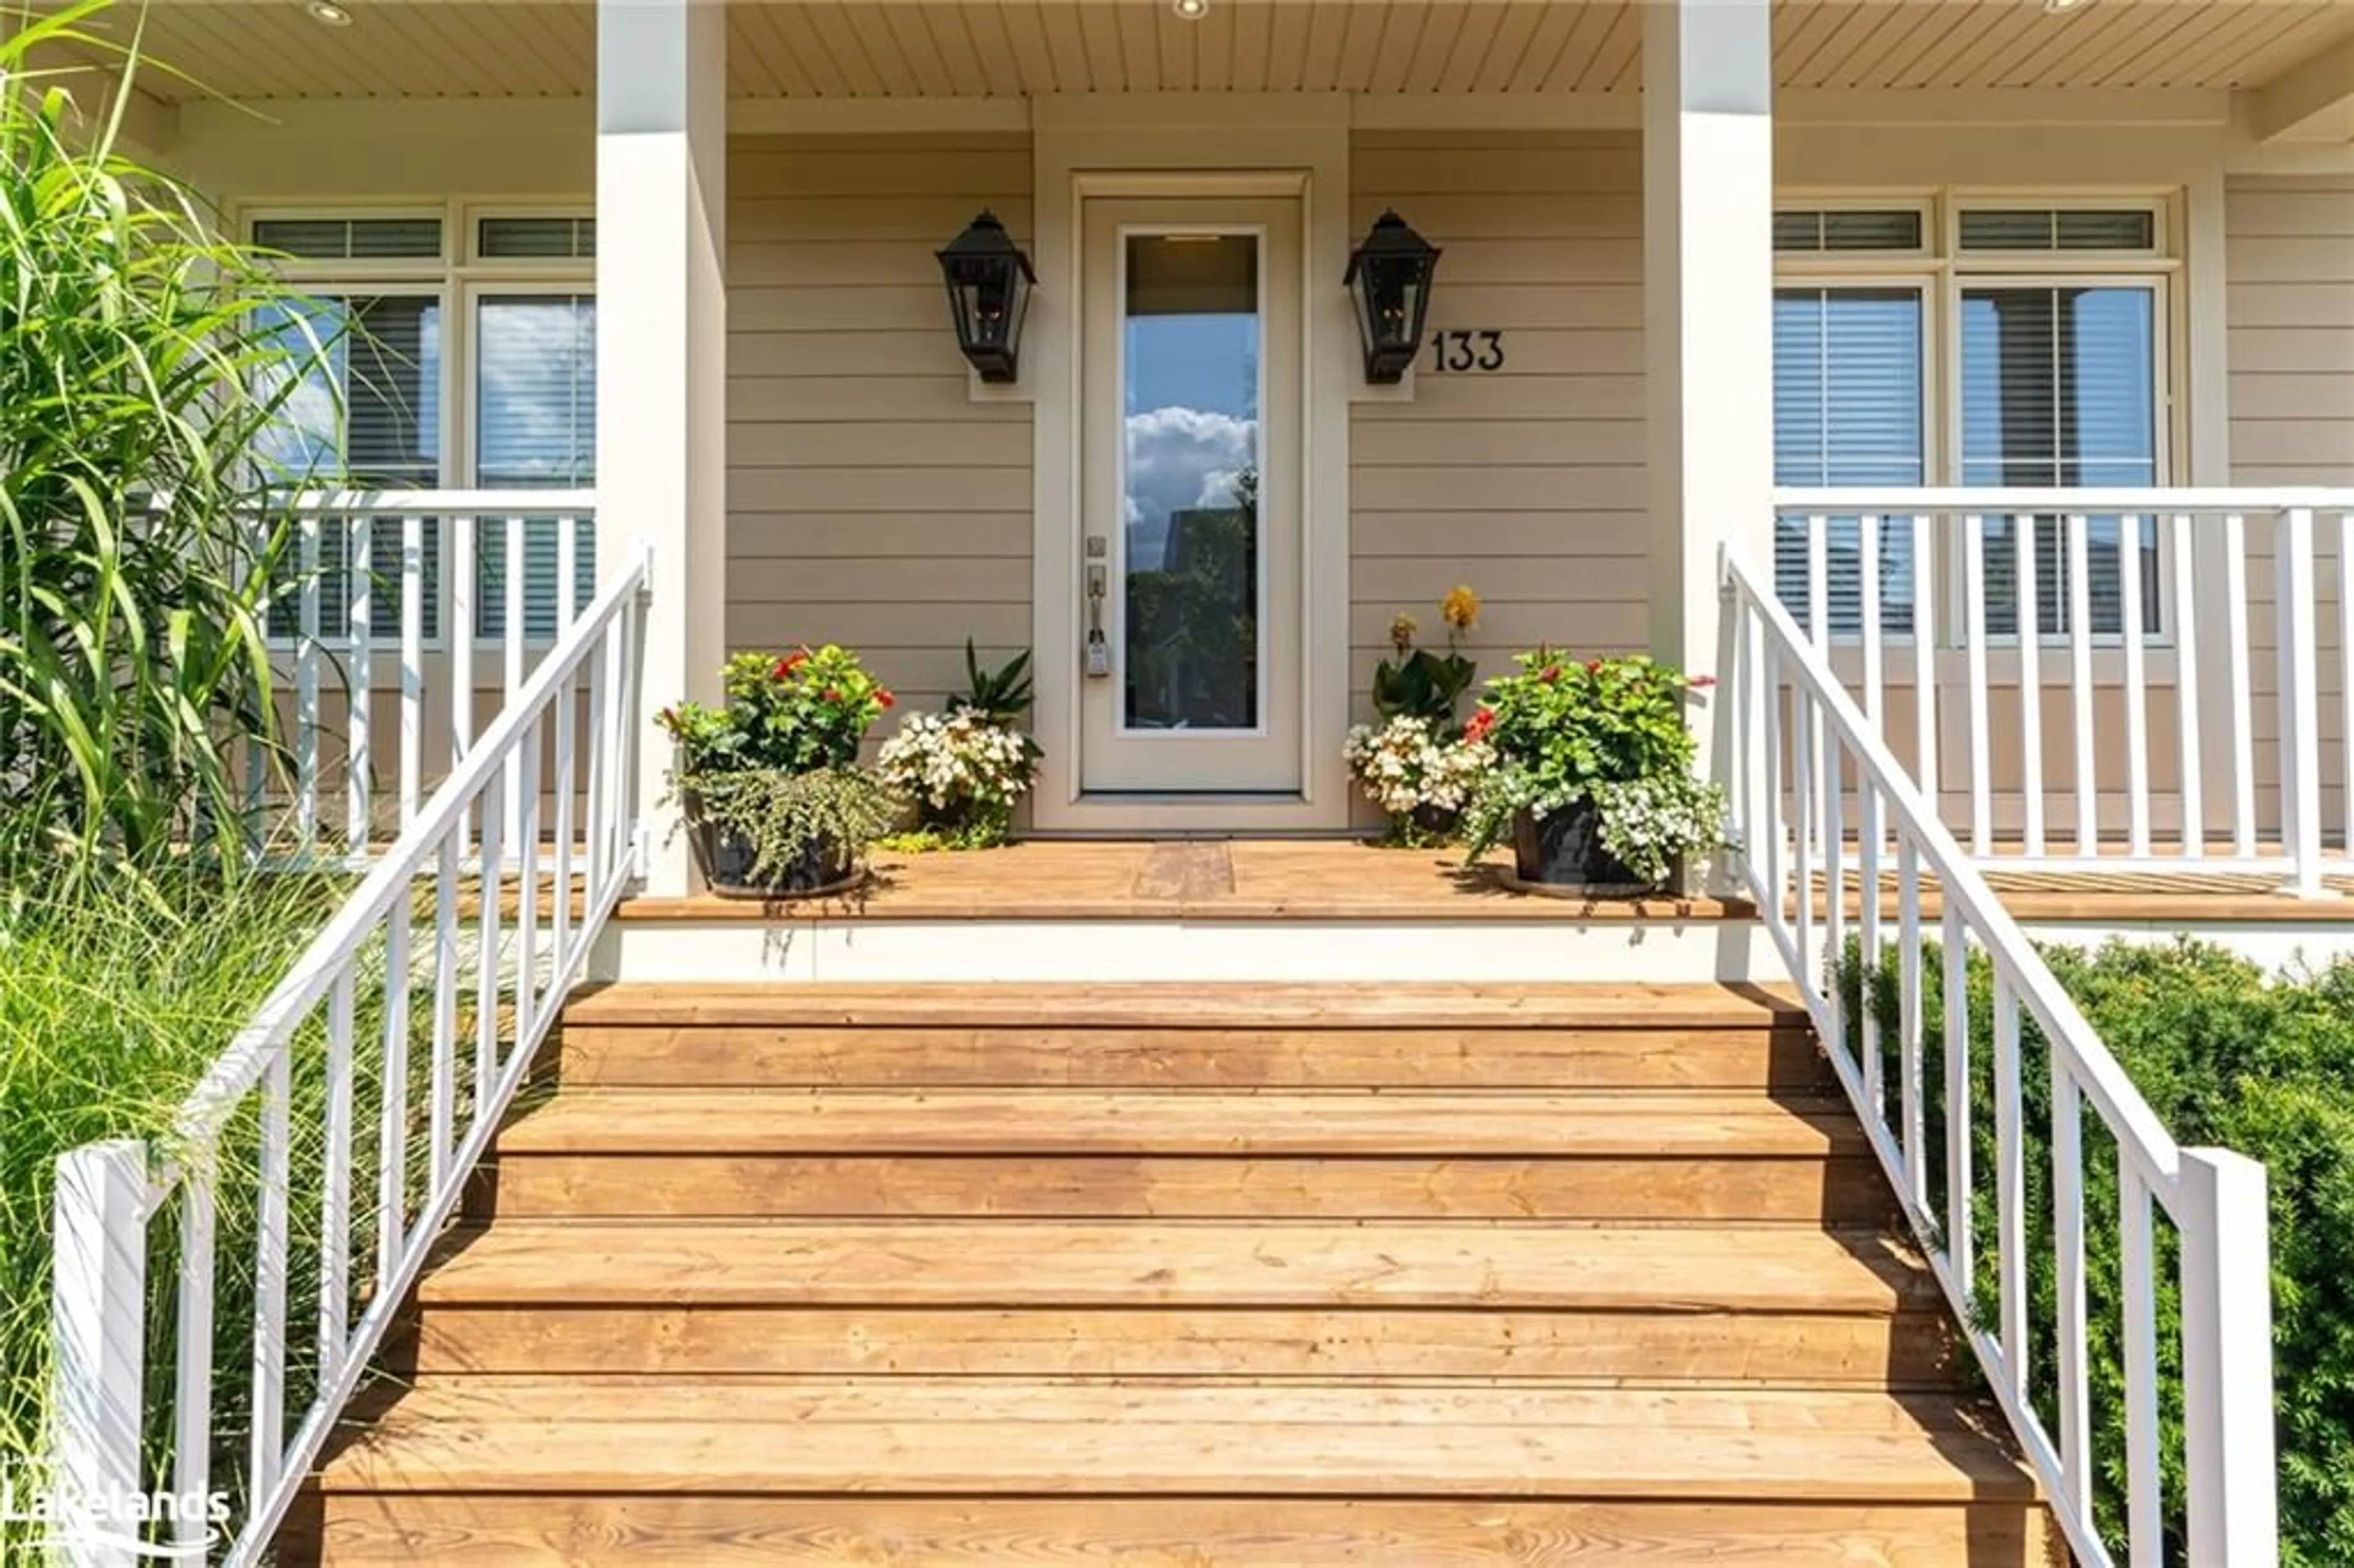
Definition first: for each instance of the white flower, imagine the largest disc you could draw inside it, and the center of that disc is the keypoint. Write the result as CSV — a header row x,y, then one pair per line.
x,y
1408,764
941,761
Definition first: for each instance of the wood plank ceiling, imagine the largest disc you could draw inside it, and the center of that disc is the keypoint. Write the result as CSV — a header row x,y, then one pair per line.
x,y
905,48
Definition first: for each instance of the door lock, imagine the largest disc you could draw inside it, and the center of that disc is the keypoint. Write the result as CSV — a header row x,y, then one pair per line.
x,y
1098,651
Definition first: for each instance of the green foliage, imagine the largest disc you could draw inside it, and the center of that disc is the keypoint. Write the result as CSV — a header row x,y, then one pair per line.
x,y
791,713
1610,731
142,364
779,815
2226,1056
1422,685
1001,695
113,1002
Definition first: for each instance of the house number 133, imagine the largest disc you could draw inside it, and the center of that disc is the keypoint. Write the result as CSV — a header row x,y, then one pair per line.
x,y
1480,350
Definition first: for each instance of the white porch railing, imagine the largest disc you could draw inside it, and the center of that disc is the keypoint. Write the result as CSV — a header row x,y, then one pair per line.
x,y
426,632
385,1134
2166,676
1811,770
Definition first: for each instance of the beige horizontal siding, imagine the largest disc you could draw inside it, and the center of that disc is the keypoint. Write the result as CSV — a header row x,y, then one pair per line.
x,y
1526,482
871,502
2289,257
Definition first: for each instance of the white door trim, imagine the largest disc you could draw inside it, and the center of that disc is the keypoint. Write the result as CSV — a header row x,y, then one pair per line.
x,y
1091,153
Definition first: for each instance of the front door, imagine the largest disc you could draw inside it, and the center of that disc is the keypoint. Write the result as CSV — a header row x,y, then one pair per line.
x,y
1189,486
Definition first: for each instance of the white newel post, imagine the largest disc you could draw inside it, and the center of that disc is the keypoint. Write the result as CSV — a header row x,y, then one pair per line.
x,y
1708,324
662,354
98,1313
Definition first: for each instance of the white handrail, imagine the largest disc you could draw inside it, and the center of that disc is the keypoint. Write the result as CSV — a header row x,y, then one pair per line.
x,y
2211,612
1801,751
306,1037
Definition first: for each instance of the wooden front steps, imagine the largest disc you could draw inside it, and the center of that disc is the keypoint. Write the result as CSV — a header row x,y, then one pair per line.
x,y
1272,1275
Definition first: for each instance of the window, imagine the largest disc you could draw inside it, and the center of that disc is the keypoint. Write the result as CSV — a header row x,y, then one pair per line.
x,y
536,428
369,417
443,371
1848,410
2032,354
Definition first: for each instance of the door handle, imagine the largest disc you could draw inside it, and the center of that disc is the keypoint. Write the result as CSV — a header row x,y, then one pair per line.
x,y
1098,651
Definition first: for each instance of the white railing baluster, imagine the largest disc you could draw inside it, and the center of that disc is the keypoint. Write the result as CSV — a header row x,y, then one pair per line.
x,y
2030,684
1867,927
1911,1015
1974,631
526,837
2137,1287
2192,761
392,1133
489,950
2009,1190
192,1354
267,1448
2068,1246
2136,696
2081,708
2300,698
360,639
412,666
2346,685
306,685
335,1188
513,652
1961,1182
442,1109
2239,687
1834,882
1802,764
458,638
1924,662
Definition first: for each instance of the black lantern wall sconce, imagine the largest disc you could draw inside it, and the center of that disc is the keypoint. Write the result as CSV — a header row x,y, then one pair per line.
x,y
1390,275
988,280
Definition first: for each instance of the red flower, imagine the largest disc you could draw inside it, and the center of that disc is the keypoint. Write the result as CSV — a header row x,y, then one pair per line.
x,y
1702,683
1481,723
883,694
833,693
788,664
1593,666
1549,674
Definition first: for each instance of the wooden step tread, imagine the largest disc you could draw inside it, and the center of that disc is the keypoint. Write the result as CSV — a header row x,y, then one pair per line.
x,y
867,1122
1018,1264
934,1437
1400,1004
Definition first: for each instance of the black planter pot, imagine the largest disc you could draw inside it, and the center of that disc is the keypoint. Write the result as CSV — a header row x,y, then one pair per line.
x,y
1564,849
725,861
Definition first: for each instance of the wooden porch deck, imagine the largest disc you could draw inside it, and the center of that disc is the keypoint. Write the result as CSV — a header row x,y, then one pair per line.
x,y
1339,879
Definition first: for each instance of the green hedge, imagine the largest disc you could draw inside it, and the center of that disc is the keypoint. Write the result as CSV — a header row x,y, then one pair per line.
x,y
2226,1055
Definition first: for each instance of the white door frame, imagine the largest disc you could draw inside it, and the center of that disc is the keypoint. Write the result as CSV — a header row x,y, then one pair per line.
x,y
1155,146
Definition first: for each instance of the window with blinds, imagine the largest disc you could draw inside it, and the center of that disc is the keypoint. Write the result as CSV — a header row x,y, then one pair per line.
x,y
2030,229
350,238
2059,390
535,238
1847,229
534,428
366,417
1849,410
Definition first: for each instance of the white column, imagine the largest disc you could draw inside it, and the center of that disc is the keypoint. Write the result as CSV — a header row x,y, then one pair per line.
x,y
661,352
1708,286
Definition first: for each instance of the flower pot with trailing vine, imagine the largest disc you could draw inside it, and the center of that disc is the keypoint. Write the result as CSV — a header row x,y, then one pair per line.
x,y
768,781
962,772
1592,780
1412,765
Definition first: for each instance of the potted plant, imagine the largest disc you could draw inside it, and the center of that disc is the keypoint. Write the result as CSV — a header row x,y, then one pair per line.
x,y
964,770
776,804
1593,774
1411,764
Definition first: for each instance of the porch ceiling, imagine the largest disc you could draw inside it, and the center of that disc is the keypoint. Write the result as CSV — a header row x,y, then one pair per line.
x,y
907,48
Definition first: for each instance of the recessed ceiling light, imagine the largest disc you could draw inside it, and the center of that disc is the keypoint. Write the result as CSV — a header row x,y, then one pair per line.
x,y
328,13
2054,7
1193,10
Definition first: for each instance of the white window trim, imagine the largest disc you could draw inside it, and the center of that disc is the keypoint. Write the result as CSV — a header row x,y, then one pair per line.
x,y
1942,273
458,277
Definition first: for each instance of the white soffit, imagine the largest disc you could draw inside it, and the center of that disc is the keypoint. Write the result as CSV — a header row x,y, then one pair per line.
x,y
979,48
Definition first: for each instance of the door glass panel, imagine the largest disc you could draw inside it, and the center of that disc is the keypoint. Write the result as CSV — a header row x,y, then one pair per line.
x,y
1189,487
